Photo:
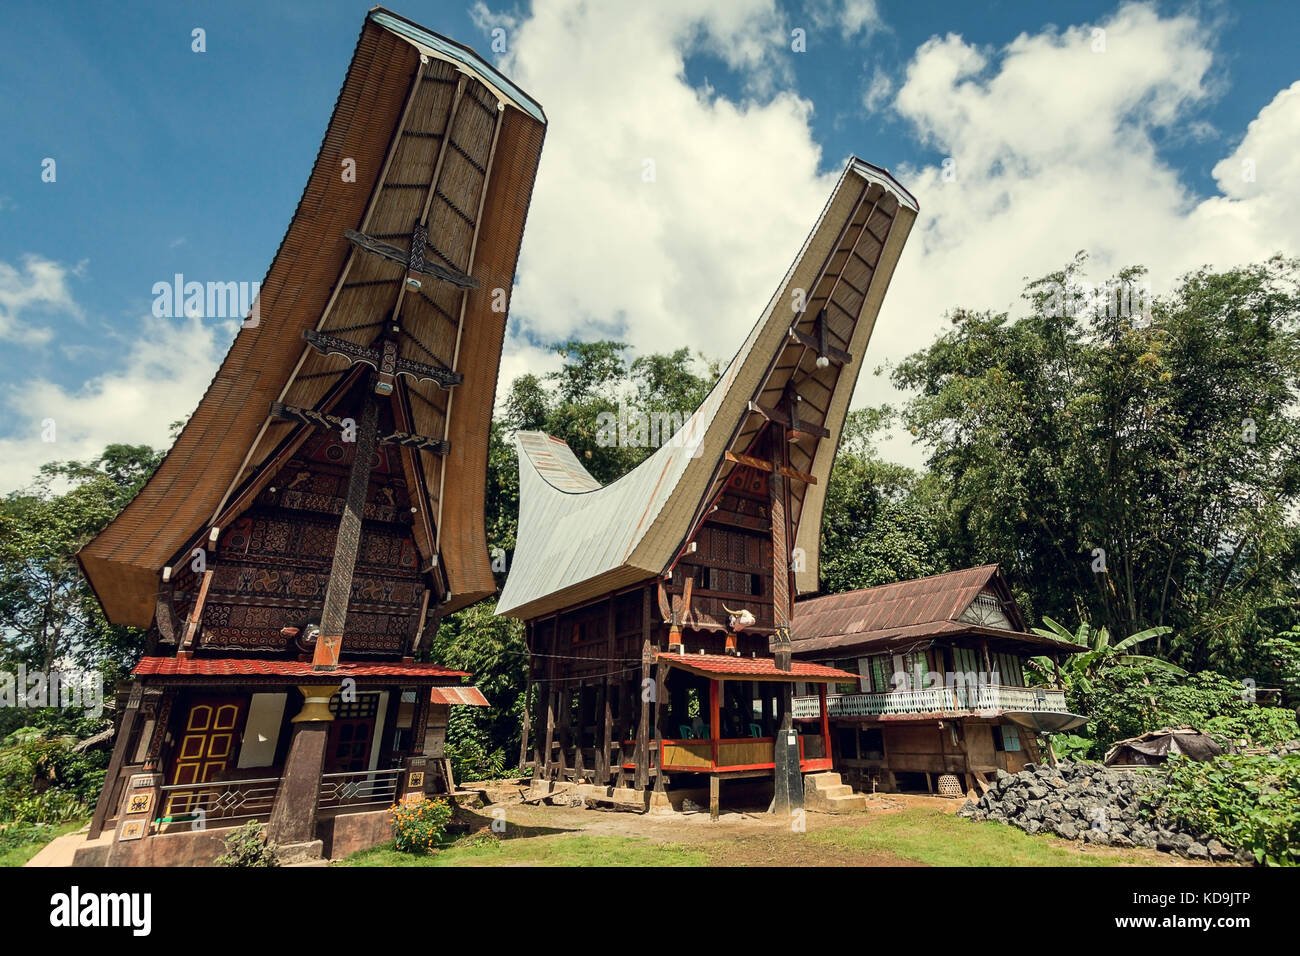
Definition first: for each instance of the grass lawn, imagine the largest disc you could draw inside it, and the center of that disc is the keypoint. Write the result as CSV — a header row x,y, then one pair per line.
x,y
541,851
942,839
17,855
914,836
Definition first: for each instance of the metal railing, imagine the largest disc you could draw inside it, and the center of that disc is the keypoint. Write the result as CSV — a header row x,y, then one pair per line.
x,y
358,788
219,800
935,700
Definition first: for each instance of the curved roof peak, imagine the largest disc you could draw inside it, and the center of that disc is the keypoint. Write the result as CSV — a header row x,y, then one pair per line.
x,y
555,462
578,539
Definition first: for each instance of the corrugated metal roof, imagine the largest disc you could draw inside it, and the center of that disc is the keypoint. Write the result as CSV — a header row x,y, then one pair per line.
x,y
296,670
469,696
577,540
754,668
556,462
907,611
937,599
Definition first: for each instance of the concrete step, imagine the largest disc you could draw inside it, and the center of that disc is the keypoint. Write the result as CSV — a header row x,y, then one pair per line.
x,y
822,781
848,804
827,793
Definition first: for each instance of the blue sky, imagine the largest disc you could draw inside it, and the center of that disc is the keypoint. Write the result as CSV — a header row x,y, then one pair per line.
x,y
173,161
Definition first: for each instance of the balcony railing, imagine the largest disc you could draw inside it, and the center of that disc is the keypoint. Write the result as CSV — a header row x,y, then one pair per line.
x,y
220,800
358,788
931,700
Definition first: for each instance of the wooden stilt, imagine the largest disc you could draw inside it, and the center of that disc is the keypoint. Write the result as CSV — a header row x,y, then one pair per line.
x,y
714,796
643,725
661,678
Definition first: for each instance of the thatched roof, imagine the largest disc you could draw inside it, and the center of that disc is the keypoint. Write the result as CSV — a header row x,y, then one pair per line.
x,y
437,135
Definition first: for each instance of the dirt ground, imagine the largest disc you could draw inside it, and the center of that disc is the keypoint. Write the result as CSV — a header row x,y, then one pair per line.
x,y
752,837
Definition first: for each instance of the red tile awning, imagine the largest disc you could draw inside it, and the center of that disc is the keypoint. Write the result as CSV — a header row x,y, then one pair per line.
x,y
470,696
724,666
294,670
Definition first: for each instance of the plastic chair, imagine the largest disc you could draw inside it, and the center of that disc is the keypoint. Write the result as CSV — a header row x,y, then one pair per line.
x,y
686,732
755,730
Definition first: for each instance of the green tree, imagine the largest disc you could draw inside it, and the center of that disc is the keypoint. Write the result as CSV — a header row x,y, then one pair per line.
x,y
1134,470
1083,668
880,522
48,612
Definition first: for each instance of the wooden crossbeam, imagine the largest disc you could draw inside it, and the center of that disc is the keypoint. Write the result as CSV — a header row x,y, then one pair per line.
x,y
414,259
763,465
783,417
308,416
819,342
327,344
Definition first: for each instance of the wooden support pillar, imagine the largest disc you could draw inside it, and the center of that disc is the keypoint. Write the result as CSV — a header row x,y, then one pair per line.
x,y
715,796
601,732
580,737
153,760
826,719
715,724
338,591
643,725
122,741
661,695
566,728
548,743
988,661
293,815
195,622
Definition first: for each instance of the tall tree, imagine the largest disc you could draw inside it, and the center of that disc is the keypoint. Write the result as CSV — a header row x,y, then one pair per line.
x,y
881,521
48,614
1136,468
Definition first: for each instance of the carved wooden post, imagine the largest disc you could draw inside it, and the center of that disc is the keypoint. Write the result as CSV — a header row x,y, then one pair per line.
x,y
643,726
339,590
787,774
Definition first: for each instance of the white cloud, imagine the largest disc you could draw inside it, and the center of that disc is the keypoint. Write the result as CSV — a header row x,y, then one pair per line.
x,y
162,377
1054,146
851,17
1054,151
40,286
690,258
878,91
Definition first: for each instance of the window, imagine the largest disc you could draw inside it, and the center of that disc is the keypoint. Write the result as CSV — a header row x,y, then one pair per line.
x,y
871,744
847,739
966,660
880,671
1006,738
850,687
756,585
365,705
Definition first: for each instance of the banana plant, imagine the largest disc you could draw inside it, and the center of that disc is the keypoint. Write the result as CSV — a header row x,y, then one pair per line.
x,y
1081,669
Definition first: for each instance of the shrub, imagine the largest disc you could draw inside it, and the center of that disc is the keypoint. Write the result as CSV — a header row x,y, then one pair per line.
x,y
15,835
1246,801
248,846
418,826
52,806
1129,701
469,748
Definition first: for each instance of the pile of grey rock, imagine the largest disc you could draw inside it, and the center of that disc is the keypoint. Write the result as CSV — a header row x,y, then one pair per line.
x,y
1089,802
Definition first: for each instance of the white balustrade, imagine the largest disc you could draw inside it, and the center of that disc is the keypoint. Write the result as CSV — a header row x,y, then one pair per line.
x,y
963,697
